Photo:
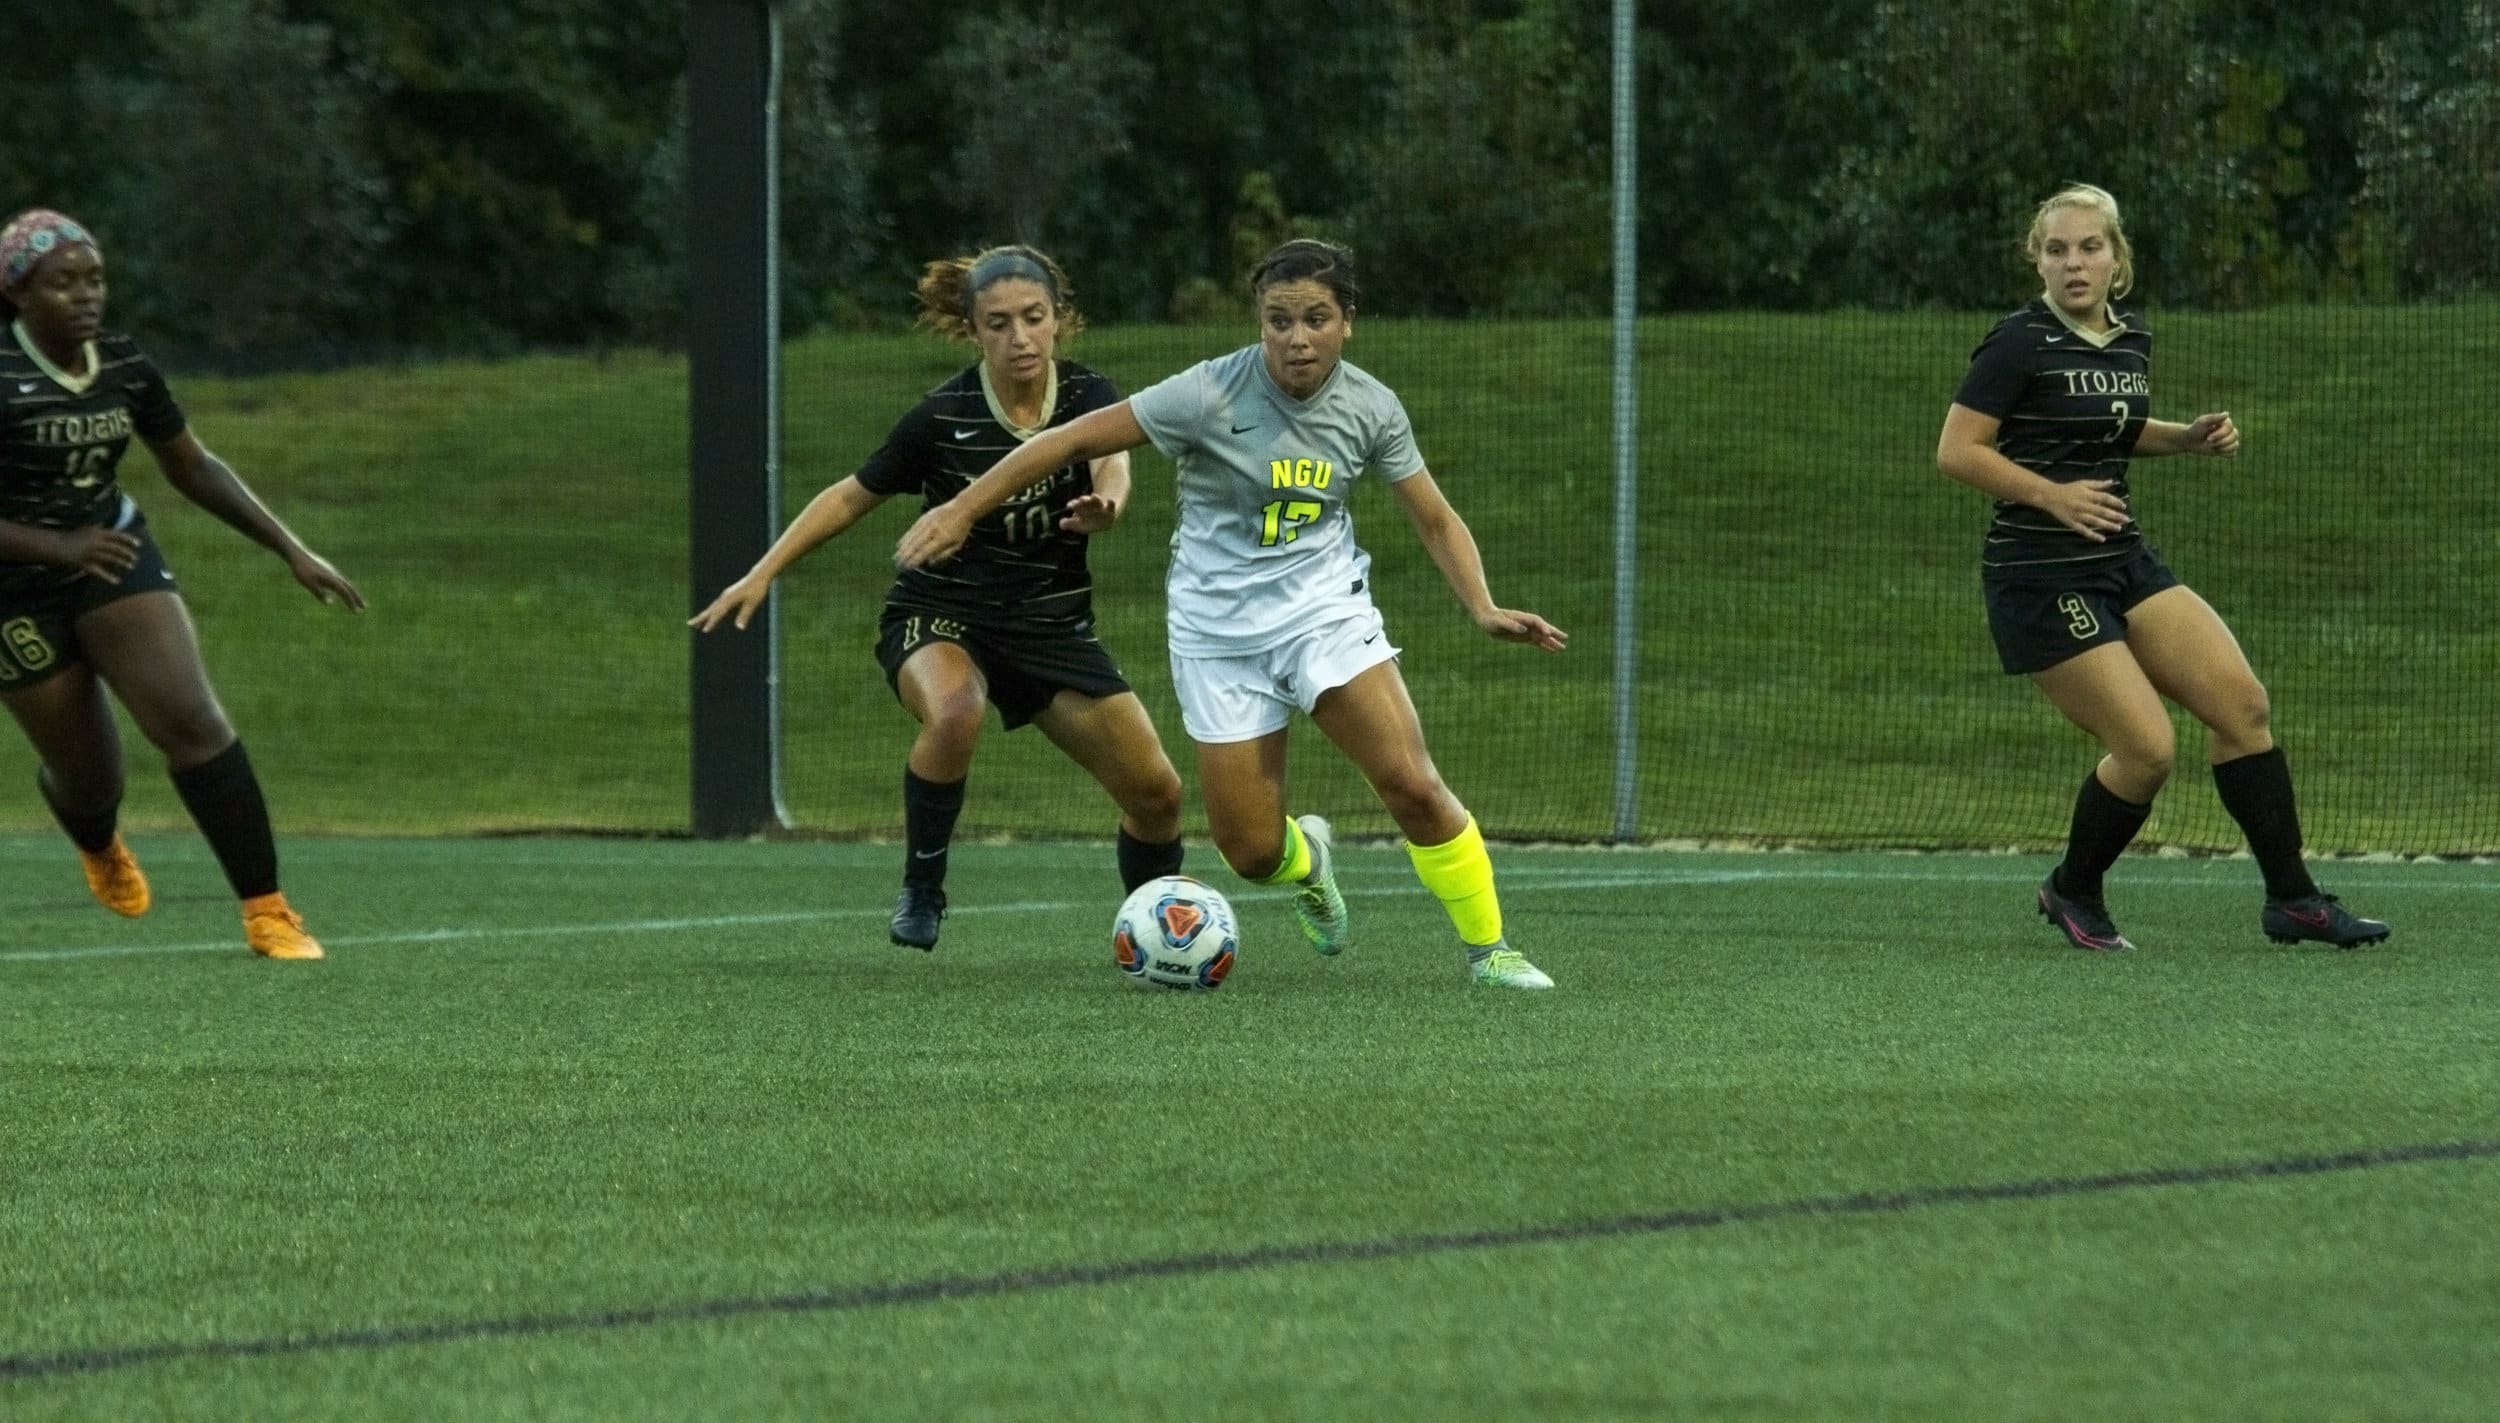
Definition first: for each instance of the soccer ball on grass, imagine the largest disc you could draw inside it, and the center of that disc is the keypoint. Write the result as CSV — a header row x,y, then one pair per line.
x,y
1175,932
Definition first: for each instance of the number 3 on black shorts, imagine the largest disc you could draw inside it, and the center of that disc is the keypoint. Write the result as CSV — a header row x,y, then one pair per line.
x,y
2079,617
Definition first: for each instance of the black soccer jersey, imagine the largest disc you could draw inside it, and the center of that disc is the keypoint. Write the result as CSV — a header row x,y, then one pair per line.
x,y
1017,566
62,437
2068,409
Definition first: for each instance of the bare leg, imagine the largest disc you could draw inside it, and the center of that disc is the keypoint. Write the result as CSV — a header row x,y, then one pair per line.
x,y
1373,721
68,723
1244,786
2105,692
2192,656
1112,738
71,728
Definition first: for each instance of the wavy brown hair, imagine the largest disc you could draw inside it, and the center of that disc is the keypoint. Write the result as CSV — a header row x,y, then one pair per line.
x,y
949,285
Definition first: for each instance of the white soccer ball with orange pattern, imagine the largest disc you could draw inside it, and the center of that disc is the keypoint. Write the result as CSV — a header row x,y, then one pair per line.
x,y
1175,932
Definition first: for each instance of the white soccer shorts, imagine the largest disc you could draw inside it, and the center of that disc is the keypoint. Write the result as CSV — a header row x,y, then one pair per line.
x,y
1243,698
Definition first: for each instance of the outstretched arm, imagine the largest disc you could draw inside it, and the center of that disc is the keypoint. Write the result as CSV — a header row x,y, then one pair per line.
x,y
1967,450
835,508
207,481
1445,536
942,530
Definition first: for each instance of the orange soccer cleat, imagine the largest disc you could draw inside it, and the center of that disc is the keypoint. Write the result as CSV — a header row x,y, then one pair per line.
x,y
275,931
113,875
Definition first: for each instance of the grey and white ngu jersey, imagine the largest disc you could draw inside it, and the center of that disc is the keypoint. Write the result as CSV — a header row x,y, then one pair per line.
x,y
1264,548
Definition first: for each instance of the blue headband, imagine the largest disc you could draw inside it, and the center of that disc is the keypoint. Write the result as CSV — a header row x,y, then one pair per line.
x,y
1001,266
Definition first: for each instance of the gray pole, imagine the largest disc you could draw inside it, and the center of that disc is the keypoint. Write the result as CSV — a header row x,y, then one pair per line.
x,y
733,76
1627,420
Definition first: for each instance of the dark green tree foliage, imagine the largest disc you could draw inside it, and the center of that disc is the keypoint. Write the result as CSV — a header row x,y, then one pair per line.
x,y
1038,109
1480,190
251,217
833,227
1227,90
483,174
1742,107
832,230
54,140
1957,118
514,134
2430,152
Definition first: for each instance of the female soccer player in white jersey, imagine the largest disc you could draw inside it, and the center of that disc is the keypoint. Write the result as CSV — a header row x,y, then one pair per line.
x,y
2057,400
1269,610
1011,623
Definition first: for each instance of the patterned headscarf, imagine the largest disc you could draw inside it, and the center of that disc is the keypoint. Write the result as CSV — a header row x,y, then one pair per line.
x,y
30,237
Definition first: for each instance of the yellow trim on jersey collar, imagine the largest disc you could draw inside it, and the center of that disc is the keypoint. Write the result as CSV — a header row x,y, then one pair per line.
x,y
75,385
998,412
2117,324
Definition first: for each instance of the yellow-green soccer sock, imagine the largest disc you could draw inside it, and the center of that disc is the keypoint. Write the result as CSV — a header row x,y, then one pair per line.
x,y
1297,861
1460,875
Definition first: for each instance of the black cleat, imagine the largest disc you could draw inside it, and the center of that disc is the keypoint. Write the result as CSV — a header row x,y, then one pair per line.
x,y
2084,922
2321,918
916,915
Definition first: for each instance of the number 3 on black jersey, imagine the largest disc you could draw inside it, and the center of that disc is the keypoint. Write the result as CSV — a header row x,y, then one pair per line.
x,y
1281,521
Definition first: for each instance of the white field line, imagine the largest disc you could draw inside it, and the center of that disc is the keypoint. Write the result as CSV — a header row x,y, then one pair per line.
x,y
527,931
656,926
1523,878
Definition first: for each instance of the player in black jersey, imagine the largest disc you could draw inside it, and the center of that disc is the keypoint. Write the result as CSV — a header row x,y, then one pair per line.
x,y
2056,401
1012,621
86,602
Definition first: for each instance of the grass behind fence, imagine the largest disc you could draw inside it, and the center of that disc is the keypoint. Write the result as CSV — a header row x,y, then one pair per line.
x,y
1814,664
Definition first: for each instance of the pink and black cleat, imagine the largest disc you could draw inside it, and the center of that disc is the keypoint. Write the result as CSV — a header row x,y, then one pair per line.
x,y
2084,922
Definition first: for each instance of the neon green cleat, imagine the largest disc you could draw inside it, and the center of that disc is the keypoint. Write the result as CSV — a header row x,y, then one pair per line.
x,y
1506,967
1316,902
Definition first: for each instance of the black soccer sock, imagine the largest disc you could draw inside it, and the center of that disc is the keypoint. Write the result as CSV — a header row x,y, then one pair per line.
x,y
1140,861
2102,827
2257,790
929,811
224,799
90,831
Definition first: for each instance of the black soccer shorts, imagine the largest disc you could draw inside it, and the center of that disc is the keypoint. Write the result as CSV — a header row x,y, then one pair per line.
x,y
2040,617
1024,666
40,608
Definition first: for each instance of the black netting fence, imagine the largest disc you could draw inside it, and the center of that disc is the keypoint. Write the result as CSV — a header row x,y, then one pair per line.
x,y
1828,220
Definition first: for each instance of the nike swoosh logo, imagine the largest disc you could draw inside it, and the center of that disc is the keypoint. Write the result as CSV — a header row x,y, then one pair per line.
x,y
2053,340
2317,919
926,854
25,387
1375,637
1238,429
963,434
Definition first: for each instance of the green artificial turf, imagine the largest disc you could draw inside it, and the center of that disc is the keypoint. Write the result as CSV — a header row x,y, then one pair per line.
x,y
608,1128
